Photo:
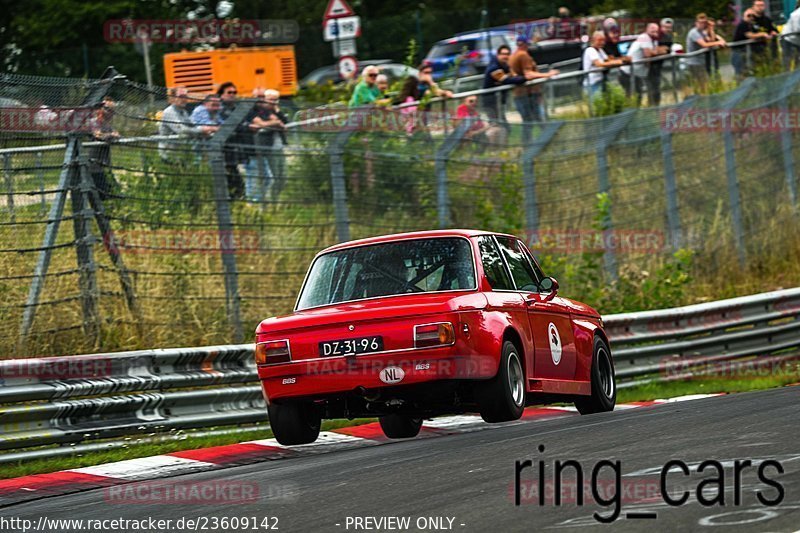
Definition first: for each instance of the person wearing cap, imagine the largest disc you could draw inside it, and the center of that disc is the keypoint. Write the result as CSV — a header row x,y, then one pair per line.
x,y
527,98
665,42
701,37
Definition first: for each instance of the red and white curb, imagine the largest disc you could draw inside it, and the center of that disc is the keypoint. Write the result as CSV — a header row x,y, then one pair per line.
x,y
160,466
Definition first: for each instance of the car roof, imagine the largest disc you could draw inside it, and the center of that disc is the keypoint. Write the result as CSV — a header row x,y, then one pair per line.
x,y
412,235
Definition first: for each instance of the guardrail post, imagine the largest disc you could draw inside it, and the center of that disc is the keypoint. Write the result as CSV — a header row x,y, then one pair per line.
x,y
675,66
222,199
84,247
670,182
615,127
786,140
529,175
440,165
338,187
9,186
730,166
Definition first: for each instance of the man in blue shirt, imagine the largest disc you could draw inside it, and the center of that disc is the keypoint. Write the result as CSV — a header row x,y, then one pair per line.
x,y
498,73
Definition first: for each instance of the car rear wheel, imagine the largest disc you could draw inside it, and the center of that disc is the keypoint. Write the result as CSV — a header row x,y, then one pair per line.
x,y
502,398
604,382
397,426
294,422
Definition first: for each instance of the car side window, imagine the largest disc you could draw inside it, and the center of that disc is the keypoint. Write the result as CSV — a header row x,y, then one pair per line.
x,y
493,266
521,269
536,269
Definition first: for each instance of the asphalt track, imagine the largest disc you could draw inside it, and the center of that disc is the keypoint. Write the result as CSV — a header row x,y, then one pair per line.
x,y
469,478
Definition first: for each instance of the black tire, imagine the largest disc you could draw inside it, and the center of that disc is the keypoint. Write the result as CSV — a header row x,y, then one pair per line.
x,y
294,422
502,398
400,426
604,382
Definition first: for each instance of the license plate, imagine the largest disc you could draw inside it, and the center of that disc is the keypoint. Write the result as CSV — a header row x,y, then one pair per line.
x,y
351,346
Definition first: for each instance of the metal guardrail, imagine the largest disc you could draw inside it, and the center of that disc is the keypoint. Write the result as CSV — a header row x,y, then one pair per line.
x,y
64,400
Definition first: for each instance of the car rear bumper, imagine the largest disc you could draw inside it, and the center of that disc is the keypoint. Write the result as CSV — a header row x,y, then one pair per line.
x,y
326,376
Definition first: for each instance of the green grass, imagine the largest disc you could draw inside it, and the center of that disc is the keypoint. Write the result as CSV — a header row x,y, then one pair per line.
x,y
134,450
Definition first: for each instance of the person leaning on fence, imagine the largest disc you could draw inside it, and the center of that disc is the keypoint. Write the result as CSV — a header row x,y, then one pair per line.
x,y
409,94
258,174
645,46
382,83
232,154
176,120
527,98
790,39
479,131
594,60
366,91
207,119
762,23
270,123
498,73
745,30
665,41
100,156
700,39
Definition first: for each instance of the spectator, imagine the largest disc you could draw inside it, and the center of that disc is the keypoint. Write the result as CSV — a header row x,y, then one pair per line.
x,y
426,83
665,41
763,24
227,94
645,46
207,114
611,48
100,156
565,27
698,39
712,62
258,175
594,59
498,73
744,31
274,138
527,98
791,39
366,91
409,94
382,83
176,120
479,131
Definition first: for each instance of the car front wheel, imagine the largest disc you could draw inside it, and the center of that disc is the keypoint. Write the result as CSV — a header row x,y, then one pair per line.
x,y
397,426
294,422
502,398
604,382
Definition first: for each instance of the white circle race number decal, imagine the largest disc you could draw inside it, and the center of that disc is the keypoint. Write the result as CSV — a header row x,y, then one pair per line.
x,y
392,374
555,343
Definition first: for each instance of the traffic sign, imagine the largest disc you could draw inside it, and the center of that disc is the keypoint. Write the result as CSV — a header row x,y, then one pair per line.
x,y
342,28
348,66
345,47
337,9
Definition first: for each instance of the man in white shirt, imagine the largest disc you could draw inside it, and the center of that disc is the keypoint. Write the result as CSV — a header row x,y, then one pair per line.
x,y
594,60
790,39
645,46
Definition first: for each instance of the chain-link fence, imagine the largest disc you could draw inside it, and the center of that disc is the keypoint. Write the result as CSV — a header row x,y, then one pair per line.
x,y
113,236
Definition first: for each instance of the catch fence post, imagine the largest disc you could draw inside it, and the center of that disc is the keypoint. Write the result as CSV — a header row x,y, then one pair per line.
x,y
440,166
338,187
670,181
786,140
530,153
615,127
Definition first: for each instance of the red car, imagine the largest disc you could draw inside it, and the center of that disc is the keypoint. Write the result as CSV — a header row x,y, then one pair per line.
x,y
408,326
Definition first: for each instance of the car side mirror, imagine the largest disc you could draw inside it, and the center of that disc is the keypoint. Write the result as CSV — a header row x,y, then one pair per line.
x,y
550,286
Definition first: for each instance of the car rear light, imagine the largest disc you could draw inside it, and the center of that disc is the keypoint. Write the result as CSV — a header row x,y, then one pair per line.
x,y
439,334
271,352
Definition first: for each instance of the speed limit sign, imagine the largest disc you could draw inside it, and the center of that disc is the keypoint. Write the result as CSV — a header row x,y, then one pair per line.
x,y
348,66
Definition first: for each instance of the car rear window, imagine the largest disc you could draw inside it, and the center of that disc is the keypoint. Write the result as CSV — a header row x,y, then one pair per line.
x,y
387,269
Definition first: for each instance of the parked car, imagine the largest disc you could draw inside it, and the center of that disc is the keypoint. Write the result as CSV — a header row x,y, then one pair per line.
x,y
409,326
393,71
470,52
